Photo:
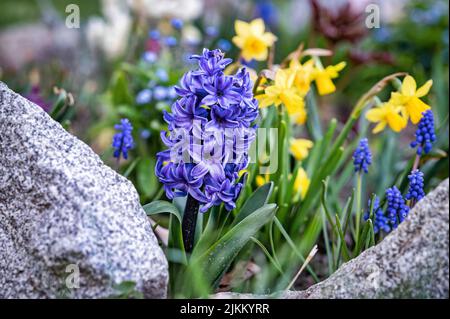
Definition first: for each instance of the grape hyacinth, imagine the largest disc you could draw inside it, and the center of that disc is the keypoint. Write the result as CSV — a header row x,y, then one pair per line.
x,y
210,132
380,221
415,191
425,135
362,157
123,140
396,209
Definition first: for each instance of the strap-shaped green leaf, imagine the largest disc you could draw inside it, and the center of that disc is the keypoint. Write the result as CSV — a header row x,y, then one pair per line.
x,y
161,206
256,200
217,259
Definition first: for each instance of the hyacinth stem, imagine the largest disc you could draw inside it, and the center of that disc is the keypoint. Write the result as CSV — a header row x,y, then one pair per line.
x,y
358,205
189,222
117,164
416,162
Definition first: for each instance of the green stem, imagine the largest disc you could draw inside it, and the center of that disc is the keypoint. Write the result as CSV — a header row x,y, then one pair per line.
x,y
358,205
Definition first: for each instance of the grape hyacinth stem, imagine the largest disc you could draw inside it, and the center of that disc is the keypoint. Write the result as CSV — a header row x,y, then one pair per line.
x,y
189,222
416,162
358,204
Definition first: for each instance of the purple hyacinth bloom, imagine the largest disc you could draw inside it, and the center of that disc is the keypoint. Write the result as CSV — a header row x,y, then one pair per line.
x,y
425,135
362,157
123,140
211,62
396,209
380,221
415,191
210,132
221,92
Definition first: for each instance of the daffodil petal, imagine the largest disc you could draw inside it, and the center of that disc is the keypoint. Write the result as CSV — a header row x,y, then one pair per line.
x,y
257,27
409,86
415,108
379,127
242,28
424,89
375,115
396,122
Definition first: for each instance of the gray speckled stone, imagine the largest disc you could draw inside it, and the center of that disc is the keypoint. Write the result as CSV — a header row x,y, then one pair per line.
x,y
60,205
411,262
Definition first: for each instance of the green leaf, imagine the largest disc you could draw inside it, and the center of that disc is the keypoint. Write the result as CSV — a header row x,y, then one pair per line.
x,y
343,244
217,259
294,247
345,221
256,200
120,91
313,122
161,206
367,226
60,103
266,252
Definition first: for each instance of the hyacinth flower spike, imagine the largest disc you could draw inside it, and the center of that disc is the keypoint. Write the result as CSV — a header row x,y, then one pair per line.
x,y
425,137
362,158
122,140
380,221
396,210
415,191
210,132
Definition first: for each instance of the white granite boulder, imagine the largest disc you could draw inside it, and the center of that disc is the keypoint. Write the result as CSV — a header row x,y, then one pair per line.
x,y
63,211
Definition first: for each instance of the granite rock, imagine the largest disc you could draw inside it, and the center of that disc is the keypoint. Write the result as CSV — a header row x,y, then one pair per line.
x,y
69,225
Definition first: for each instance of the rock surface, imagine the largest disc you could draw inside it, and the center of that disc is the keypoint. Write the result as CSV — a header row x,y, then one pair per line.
x,y
411,262
61,209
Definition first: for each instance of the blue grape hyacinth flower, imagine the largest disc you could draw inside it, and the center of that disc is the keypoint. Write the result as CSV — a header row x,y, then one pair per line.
x,y
415,191
362,157
425,135
123,140
210,130
396,210
380,221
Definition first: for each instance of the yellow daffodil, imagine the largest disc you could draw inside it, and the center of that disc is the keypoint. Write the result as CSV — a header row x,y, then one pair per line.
x,y
298,114
300,148
303,74
283,91
323,77
252,39
387,114
409,97
262,179
301,183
